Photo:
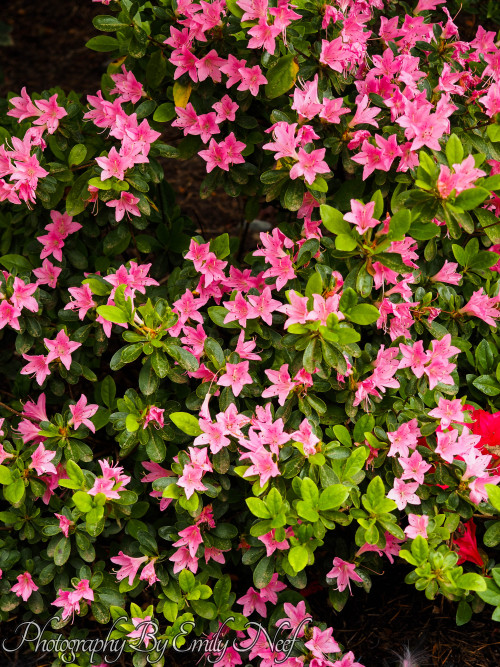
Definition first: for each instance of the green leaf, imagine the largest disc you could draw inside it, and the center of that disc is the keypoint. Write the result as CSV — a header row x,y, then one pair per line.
x,y
186,422
82,501
102,43
342,435
309,491
220,246
333,497
233,7
214,352
77,154
487,384
14,492
493,492
375,492
117,241
108,391
298,557
314,285
491,537
490,223
392,261
454,150
155,73
148,380
379,204
74,472
108,23
187,581
493,132
62,551
363,313
204,609
334,220
258,508
345,242
400,223
217,314
471,198
75,199
5,475
164,113
471,581
131,423
183,357
281,77
113,314
464,613
15,263
319,185
420,549
263,572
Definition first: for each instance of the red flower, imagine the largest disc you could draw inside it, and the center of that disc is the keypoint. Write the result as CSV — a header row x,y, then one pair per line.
x,y
488,427
467,545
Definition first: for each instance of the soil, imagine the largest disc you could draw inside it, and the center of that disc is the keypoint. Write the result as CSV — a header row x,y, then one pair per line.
x,y
48,49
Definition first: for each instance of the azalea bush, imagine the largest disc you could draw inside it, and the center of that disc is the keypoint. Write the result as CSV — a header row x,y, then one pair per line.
x,y
192,441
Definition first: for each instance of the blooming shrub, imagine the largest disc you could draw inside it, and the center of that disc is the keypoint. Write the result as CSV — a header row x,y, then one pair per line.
x,y
189,438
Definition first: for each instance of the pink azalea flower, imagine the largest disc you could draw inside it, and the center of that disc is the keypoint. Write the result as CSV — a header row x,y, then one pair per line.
x,y
127,87
183,560
418,526
21,297
113,164
83,300
245,349
281,386
236,377
81,413
404,438
263,465
253,601
226,109
126,204
343,572
309,165
322,642
296,617
148,573
191,538
64,523
190,480
269,592
40,460
403,493
9,315
51,113
25,586
154,414
213,435
61,348
448,412
362,216
447,274
144,630
348,659
414,467
482,306
47,274
251,79
128,566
